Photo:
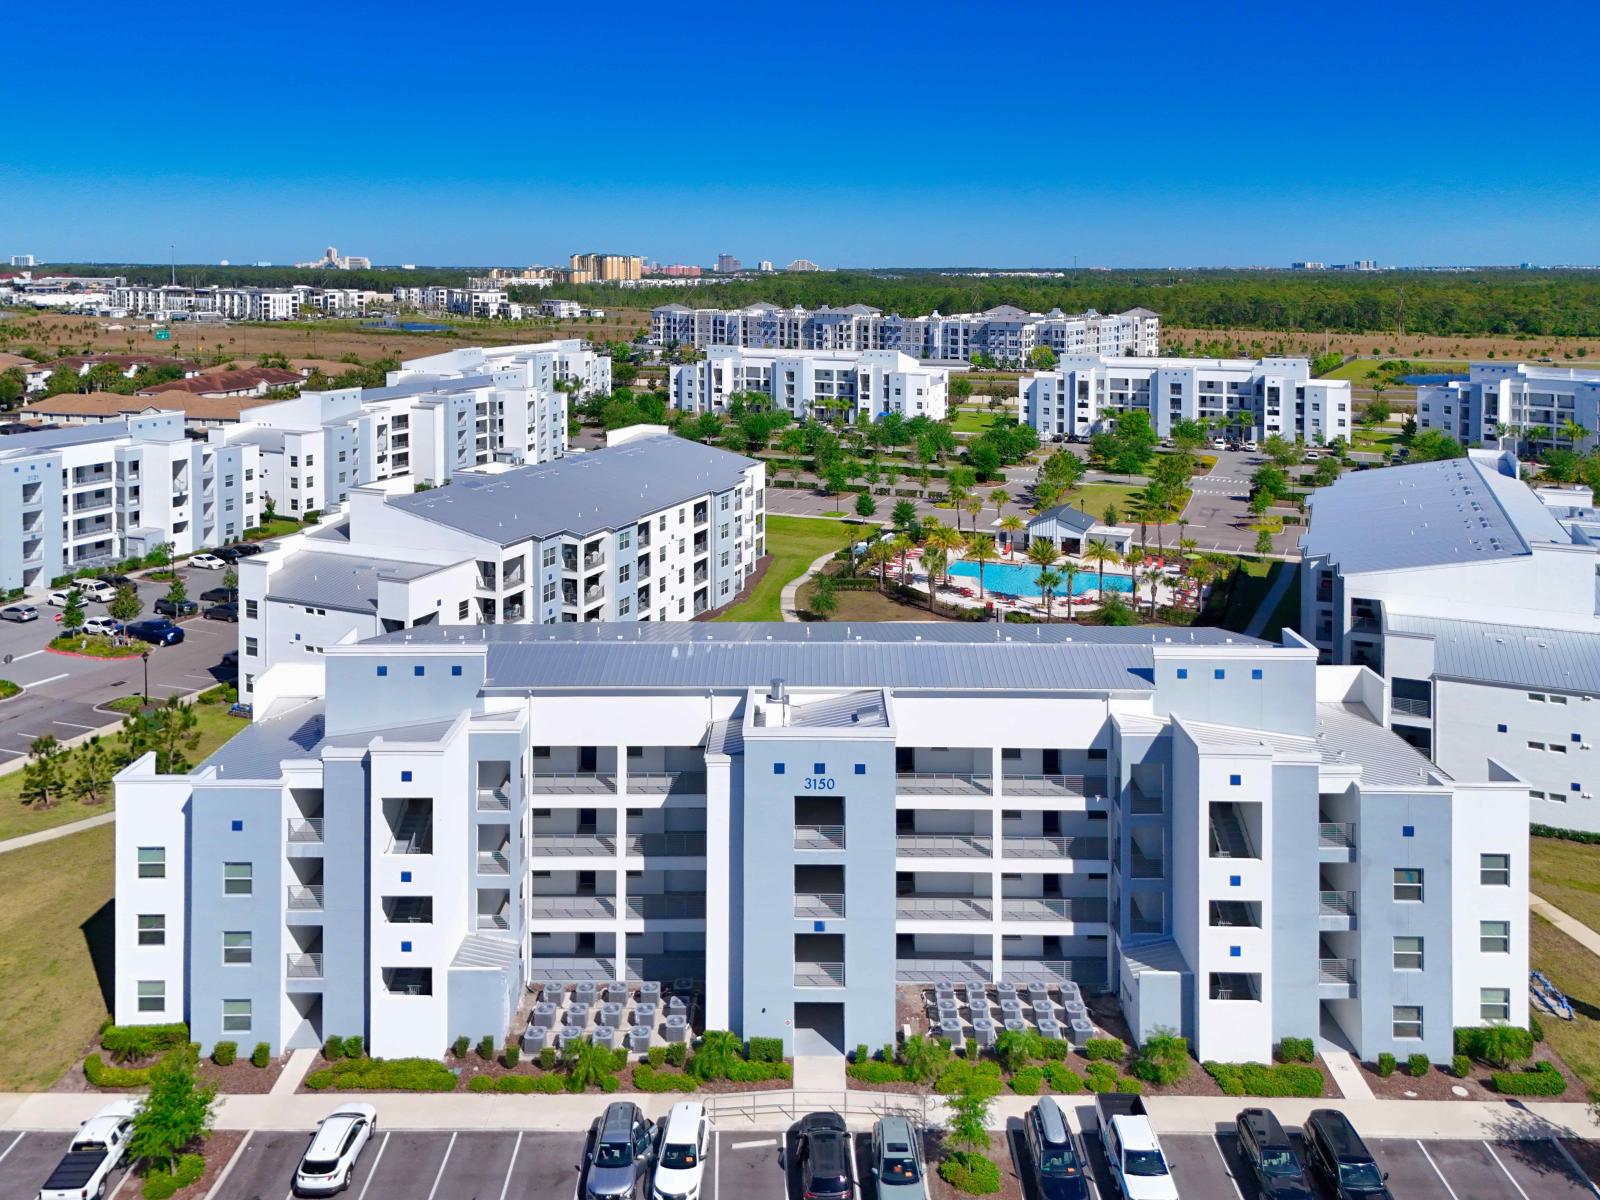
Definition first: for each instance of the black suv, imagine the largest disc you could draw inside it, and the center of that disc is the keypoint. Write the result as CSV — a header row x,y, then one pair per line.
x,y
1270,1156
1340,1159
824,1155
1054,1161
158,631
180,608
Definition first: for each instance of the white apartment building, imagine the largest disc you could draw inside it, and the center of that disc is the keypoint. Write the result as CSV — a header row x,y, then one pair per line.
x,y
436,416
869,383
94,495
652,528
803,818
1535,405
1482,610
1252,397
1006,333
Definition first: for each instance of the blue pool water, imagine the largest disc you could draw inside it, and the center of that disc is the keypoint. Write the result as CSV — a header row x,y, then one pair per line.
x,y
1022,579
1424,379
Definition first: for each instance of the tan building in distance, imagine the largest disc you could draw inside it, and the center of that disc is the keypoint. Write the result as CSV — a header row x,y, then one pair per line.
x,y
605,268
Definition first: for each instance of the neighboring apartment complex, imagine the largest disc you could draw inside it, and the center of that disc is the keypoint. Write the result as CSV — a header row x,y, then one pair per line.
x,y
1533,404
806,817
237,303
653,528
1253,397
866,383
1007,334
604,268
1480,607
93,495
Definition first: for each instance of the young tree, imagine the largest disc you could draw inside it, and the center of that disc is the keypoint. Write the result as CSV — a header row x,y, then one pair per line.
x,y
92,783
160,555
126,605
176,1112
904,513
1263,540
230,580
177,592
170,730
1042,358
824,597
73,616
1434,444
866,506
969,1108
44,778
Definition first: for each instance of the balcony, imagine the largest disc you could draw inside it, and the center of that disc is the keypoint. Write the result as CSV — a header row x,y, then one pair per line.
x,y
1055,908
1336,977
593,592
1025,846
1143,803
493,862
571,845
816,907
1409,707
819,837
495,799
1336,835
685,844
1336,910
572,783
1053,785
595,558
930,783
304,897
667,906
819,974
303,966
1229,837
943,908
943,845
305,831
572,908
1366,625
667,783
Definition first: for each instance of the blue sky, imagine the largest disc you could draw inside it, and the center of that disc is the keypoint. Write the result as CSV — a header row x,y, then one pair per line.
x,y
861,134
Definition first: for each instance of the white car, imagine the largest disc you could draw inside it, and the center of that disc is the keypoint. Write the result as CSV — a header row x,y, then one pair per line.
x,y
1251,447
209,562
94,589
681,1162
1219,444
58,599
330,1160
109,626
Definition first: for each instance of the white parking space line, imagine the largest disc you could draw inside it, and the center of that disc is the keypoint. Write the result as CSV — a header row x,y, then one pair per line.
x,y
16,658
511,1166
1227,1170
121,1183
11,1147
1438,1172
227,1168
13,753
374,1170
72,725
1577,1171
39,682
1505,1172
442,1161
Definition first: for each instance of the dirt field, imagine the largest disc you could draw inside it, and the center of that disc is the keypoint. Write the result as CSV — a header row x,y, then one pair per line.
x,y
1391,345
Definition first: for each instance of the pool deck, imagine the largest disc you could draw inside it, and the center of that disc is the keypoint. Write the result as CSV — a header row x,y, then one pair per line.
x,y
1086,586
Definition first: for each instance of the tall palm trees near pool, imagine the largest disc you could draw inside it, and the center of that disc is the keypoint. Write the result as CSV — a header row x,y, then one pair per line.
x,y
980,548
1049,583
1100,554
1011,526
1069,577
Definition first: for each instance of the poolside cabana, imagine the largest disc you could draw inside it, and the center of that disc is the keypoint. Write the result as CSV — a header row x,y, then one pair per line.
x,y
1070,530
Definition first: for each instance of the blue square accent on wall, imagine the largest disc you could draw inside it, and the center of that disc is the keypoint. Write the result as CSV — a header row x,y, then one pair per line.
x,y
819,926
405,776
1183,672
419,670
405,876
777,768
1576,788
1577,737
456,670
861,768
1219,673
1235,880
1234,952
1408,831
1499,728
1235,780
405,947
819,768
237,825
383,671
1255,672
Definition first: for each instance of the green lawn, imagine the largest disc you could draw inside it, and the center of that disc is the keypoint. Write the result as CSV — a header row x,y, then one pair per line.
x,y
1567,874
1256,577
974,420
277,527
1374,438
1576,972
793,543
1092,498
55,904
1360,371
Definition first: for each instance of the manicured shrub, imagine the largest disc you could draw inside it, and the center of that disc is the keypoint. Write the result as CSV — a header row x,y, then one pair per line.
x,y
459,1047
1163,1059
1496,1045
1050,1049
544,1084
923,1058
547,1058
100,1075
876,1072
862,1053
123,1042
887,1053
648,1079
512,1055
486,1048
1062,1078
1297,1050
224,1054
333,1048
1386,1064
677,1054
766,1050
610,1084
1542,1079
1417,1065
1013,1049
383,1075
1259,1079
970,1172
758,1072
1461,1066
261,1055
965,1074
1027,1081
355,1047
160,1185
656,1055
1104,1050
1101,1076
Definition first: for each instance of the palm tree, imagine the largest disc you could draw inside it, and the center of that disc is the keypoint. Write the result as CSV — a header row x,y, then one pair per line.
x,y
1042,553
1100,553
1049,580
1069,578
934,561
999,498
1135,559
980,548
1012,526
880,554
974,506
1153,578
1573,432
956,495
902,546
1535,434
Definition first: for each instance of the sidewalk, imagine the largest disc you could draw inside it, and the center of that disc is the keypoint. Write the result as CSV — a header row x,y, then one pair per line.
x,y
60,831
1269,602
1569,925
786,599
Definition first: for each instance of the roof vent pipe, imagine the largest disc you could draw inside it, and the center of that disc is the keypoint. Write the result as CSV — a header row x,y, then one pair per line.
x,y
778,693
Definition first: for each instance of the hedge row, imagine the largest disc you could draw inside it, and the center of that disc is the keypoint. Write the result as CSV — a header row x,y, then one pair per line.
x,y
123,1042
542,1084
1496,1045
100,1075
1259,1079
647,1079
383,1075
1542,1079
1565,835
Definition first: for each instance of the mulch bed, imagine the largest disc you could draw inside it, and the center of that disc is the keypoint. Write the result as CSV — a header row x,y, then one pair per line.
x,y
1011,1187
1439,1083
219,1151
472,1065
240,1078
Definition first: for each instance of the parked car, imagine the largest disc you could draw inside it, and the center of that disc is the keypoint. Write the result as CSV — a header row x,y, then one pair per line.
x,y
229,554
247,548
1138,1167
621,1155
114,581
897,1160
1270,1157
94,589
107,626
685,1146
19,613
1053,1158
61,597
176,608
207,562
330,1159
230,661
94,1152
1218,444
222,612
218,595
1340,1160
1251,447
157,630
823,1154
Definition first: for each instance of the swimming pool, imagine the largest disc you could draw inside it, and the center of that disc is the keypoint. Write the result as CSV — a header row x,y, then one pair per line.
x,y
1022,579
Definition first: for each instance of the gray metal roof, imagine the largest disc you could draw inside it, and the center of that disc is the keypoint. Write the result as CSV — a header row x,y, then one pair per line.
x,y
40,441
299,731
422,385
1428,514
344,581
582,493
1561,660
726,737
853,710
1348,737
1063,518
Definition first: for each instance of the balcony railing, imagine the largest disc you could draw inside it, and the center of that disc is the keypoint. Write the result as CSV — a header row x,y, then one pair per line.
x,y
1337,904
687,843
1336,835
818,906
1143,866
819,837
305,831
944,845
1028,846
1410,707
1336,970
305,897
663,783
667,906
1145,924
943,908
493,862
1054,908
1053,785
1366,625
594,559
572,908
1144,804
304,966
571,845
564,783
495,799
929,783
819,974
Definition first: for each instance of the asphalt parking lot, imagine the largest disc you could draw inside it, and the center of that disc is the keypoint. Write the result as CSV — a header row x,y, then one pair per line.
x,y
26,1160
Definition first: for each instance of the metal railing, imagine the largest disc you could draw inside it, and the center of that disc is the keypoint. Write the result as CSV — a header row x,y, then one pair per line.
x,y
304,897
1052,785
816,906
667,906
1336,835
1336,970
572,783
1032,846
494,920
493,862
819,974
685,844
595,559
571,908
819,837
944,845
1337,904
1412,708
305,831
662,783
1142,866
1054,908
571,845
304,966
495,799
942,908
758,1107
932,783
1365,625
1143,803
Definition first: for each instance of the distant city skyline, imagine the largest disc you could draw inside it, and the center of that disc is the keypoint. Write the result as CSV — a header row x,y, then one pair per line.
x,y
1260,136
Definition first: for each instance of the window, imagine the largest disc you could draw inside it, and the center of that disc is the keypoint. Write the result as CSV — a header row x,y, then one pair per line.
x,y
1255,672
1407,1021
1408,884
236,1016
1408,954
1219,673
1494,937
252,608
237,879
236,949
1494,1004
152,929
152,862
549,558
152,995
463,610
419,670
251,646
1235,780
1494,870
455,669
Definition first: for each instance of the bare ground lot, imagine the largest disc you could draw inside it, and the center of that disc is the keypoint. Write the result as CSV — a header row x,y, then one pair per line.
x,y
1392,345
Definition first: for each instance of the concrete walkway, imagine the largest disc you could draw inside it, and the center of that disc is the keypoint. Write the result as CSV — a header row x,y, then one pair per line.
x,y
60,831
1346,1075
1269,603
1569,925
786,601
295,1070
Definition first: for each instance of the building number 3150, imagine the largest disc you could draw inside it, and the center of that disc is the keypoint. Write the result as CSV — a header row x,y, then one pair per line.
x,y
819,783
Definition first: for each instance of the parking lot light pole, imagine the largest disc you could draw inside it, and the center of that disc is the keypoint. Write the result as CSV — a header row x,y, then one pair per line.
x,y
145,656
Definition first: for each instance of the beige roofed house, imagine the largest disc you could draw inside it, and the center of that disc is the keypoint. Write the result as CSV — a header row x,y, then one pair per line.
x,y
94,408
247,381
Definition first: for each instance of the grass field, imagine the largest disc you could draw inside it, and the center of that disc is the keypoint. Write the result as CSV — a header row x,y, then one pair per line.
x,y
1567,874
869,606
1374,438
974,420
1361,371
1093,498
1576,972
794,543
55,904
17,818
